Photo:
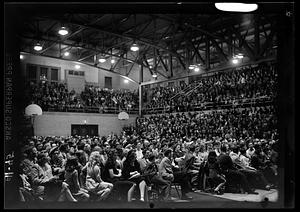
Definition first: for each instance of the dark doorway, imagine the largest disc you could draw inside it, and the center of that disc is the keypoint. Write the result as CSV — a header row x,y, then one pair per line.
x,y
84,129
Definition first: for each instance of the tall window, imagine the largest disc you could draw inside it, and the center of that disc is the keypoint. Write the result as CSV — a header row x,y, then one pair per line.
x,y
31,72
43,73
54,74
108,82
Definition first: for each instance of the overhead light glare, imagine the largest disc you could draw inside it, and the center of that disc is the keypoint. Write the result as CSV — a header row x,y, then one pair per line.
x,y
21,57
63,31
38,47
236,7
197,69
67,54
126,81
77,66
134,47
112,61
240,56
102,60
191,67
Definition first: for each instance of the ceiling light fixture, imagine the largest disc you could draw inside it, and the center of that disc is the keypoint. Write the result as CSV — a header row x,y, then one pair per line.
x,y
77,66
112,61
191,67
134,47
197,69
154,75
63,31
38,47
236,7
67,54
102,60
21,57
240,56
126,81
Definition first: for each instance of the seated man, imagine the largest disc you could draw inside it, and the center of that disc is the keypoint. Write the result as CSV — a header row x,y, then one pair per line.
x,y
151,175
167,173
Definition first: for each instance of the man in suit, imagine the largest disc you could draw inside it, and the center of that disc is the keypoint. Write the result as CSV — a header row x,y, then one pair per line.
x,y
168,172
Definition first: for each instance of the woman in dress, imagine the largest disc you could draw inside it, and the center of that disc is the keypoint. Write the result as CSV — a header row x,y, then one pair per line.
x,y
94,182
123,189
132,172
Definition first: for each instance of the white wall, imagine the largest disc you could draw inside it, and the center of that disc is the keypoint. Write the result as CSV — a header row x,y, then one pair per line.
x,y
92,74
59,123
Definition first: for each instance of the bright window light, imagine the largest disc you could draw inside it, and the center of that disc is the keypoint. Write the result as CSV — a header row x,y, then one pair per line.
x,y
236,7
38,47
77,66
134,47
67,54
63,31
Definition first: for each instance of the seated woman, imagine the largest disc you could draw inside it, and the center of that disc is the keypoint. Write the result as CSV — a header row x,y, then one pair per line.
x,y
94,182
212,173
71,178
123,189
132,172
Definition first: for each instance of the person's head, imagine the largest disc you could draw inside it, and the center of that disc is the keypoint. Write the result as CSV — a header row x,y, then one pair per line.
x,y
223,148
95,158
192,148
39,147
64,147
212,157
243,151
146,153
168,153
131,156
138,146
42,159
235,149
112,155
71,164
151,157
250,146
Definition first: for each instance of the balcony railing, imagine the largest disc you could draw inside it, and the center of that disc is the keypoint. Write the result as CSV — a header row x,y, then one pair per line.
x,y
87,109
236,103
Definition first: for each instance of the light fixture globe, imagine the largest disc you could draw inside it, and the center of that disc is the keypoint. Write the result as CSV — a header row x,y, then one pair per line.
x,y
38,47
67,54
77,66
33,110
63,31
197,69
134,47
191,67
236,7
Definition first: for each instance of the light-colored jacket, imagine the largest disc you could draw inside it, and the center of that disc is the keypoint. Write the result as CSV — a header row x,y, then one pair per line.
x,y
165,169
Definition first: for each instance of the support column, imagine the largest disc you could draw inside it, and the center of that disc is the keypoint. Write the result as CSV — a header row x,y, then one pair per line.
x,y
207,54
140,90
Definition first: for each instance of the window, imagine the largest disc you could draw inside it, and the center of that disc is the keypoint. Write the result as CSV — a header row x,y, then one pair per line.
x,y
71,72
76,73
31,72
43,73
54,74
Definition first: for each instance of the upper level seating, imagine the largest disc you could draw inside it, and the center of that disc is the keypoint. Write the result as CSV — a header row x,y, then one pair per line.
x,y
250,84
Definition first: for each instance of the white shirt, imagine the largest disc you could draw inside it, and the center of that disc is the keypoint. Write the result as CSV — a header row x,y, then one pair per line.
x,y
249,153
139,154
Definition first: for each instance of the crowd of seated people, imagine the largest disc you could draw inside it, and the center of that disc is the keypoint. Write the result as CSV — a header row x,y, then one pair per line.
x,y
99,97
231,87
220,151
52,95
